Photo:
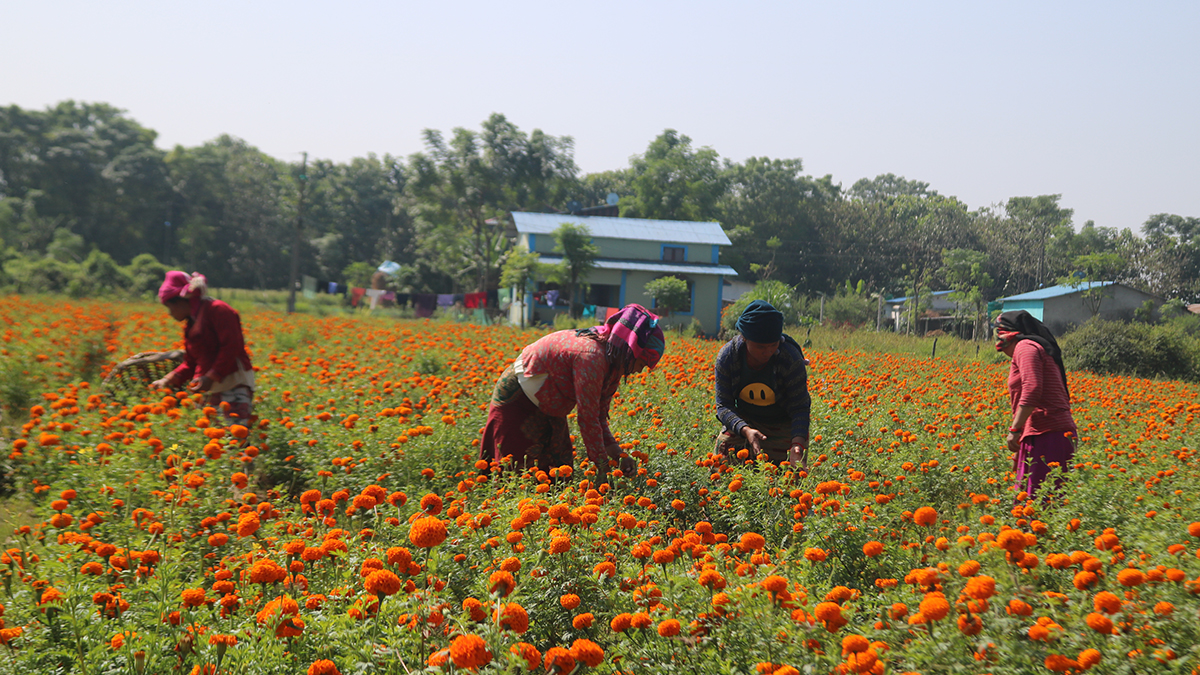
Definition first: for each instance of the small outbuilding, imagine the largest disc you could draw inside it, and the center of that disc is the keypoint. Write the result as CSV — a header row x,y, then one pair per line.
x,y
1062,308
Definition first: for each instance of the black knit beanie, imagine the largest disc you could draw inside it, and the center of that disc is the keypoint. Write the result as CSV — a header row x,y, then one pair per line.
x,y
760,322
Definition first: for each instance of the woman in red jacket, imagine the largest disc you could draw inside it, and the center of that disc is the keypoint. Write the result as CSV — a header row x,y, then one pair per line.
x,y
216,361
1042,432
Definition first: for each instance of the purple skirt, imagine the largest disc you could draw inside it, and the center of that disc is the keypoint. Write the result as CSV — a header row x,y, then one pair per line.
x,y
1035,456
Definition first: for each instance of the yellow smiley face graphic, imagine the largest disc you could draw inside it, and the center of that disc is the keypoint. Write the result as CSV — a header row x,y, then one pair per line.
x,y
757,393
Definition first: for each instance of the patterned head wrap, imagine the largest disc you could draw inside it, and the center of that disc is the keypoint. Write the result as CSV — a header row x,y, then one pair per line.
x,y
191,287
635,326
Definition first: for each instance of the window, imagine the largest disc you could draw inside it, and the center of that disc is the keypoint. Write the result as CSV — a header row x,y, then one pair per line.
x,y
604,295
674,253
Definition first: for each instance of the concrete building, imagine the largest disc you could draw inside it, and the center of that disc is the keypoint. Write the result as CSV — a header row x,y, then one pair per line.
x,y
1062,308
633,252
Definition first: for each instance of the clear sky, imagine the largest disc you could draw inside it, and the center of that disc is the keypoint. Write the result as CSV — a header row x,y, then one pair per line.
x,y
1097,101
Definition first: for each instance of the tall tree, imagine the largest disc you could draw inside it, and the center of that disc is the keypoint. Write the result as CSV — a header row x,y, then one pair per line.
x,y
1031,224
463,189
887,186
674,181
233,217
1172,267
965,273
779,221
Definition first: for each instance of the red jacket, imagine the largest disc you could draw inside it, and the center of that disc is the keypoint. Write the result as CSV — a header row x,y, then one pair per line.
x,y
214,344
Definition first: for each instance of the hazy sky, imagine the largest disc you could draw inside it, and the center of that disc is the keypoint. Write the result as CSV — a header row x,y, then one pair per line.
x,y
1098,101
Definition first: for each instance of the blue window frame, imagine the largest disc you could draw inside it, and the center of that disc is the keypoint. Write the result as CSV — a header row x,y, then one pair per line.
x,y
673,253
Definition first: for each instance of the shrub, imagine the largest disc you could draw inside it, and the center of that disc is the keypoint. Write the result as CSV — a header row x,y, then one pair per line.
x,y
1117,348
781,296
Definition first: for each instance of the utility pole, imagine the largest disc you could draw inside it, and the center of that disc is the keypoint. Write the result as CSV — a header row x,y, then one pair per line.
x,y
291,303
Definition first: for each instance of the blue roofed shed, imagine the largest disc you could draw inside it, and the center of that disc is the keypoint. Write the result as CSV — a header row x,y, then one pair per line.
x,y
1062,308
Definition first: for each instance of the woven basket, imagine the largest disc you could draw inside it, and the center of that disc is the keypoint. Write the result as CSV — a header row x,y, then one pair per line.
x,y
134,375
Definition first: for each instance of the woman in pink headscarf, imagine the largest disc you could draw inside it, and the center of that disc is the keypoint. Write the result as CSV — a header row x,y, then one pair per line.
x,y
216,361
564,371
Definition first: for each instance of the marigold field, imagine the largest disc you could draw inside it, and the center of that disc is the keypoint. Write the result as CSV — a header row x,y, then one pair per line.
x,y
351,530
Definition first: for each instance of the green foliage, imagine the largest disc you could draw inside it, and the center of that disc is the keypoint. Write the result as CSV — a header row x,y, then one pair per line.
x,y
574,242
674,181
670,293
1140,350
358,274
781,296
146,274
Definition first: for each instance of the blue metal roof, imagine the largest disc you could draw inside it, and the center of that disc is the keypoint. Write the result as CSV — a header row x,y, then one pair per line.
x,y
643,229
646,266
1056,291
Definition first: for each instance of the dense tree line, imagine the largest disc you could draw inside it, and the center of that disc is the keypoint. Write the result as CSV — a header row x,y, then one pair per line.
x,y
84,184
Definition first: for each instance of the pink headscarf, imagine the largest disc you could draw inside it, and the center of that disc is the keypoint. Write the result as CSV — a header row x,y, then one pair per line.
x,y
178,284
637,327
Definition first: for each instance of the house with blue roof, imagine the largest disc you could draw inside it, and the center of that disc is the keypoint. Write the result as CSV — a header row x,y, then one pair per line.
x,y
1064,307
633,252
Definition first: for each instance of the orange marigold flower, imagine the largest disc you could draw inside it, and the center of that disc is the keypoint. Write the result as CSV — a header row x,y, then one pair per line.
x,y
1131,577
267,572
427,532
855,643
383,582
501,582
530,654
582,621
248,524
775,584
827,611
1100,623
872,548
569,601
1019,608
559,660
814,555
925,516
969,624
513,617
934,607
980,588
431,504
604,569
323,667
1163,608
969,569
669,628
752,541
1084,580
587,652
1107,602
1061,664
218,540
1011,541
470,652
560,545
193,597
1088,658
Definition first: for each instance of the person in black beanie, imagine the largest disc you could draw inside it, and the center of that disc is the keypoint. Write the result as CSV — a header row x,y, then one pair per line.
x,y
762,389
